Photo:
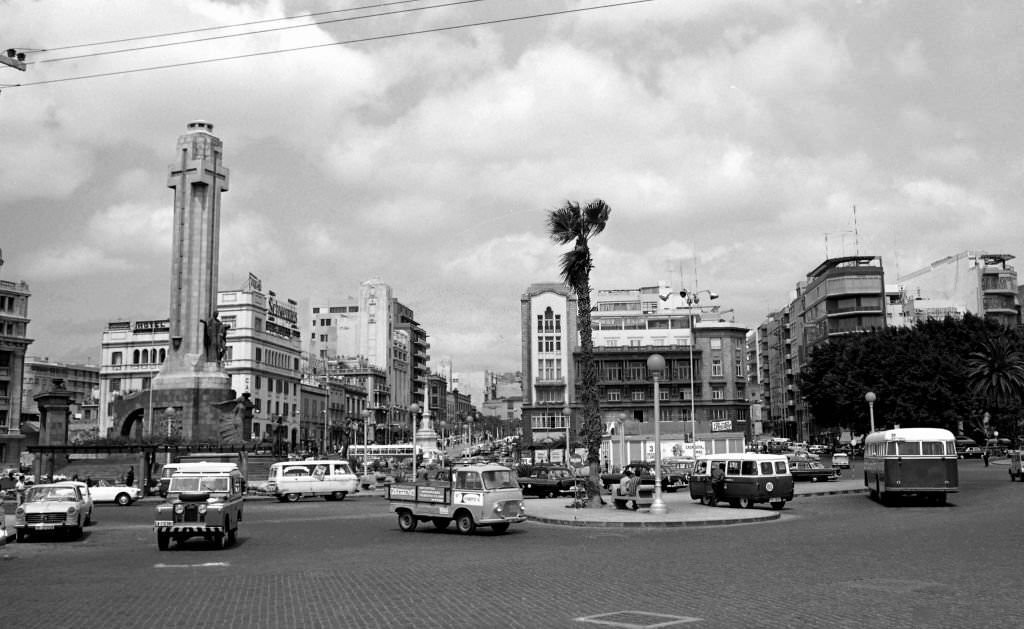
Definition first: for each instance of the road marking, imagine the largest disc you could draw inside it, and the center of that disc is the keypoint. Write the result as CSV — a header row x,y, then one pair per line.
x,y
637,620
208,564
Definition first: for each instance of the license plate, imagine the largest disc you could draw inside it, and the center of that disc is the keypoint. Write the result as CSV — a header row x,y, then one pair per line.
x,y
43,527
771,500
163,523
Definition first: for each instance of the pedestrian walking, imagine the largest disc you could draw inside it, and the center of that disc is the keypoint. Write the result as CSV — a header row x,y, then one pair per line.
x,y
129,478
984,457
19,488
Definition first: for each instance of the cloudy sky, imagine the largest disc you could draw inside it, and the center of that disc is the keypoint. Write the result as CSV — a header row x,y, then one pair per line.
x,y
732,139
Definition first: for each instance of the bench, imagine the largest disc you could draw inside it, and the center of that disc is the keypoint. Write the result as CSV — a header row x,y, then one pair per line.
x,y
641,496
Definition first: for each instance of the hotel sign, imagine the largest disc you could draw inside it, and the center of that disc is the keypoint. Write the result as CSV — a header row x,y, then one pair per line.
x,y
142,327
722,426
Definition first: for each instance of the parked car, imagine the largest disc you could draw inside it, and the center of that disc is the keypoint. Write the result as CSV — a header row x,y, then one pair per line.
x,y
672,480
109,491
87,497
548,481
50,508
812,471
967,448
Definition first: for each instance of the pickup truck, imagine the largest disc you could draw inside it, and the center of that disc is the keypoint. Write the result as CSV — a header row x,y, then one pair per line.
x,y
548,482
477,495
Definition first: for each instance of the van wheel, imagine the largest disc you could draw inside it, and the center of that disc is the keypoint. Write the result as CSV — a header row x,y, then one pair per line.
x,y
406,521
464,523
778,505
292,497
745,503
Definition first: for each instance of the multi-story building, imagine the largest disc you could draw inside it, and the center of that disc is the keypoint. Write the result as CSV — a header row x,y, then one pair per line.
x,y
14,343
984,284
702,391
840,296
503,398
130,357
82,383
376,327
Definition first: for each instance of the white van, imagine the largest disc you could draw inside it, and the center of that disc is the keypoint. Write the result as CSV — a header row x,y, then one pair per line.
x,y
291,480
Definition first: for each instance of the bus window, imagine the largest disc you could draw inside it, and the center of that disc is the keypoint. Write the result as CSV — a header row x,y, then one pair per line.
x,y
701,467
910,448
780,467
931,448
732,467
951,448
890,448
749,468
766,468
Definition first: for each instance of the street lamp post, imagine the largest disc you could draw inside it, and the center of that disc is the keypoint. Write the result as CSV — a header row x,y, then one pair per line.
x,y
692,298
366,444
414,409
656,365
870,398
567,414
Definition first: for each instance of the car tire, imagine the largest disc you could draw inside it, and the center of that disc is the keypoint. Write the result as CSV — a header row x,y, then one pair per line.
x,y
163,541
292,497
123,499
464,523
406,521
75,532
745,503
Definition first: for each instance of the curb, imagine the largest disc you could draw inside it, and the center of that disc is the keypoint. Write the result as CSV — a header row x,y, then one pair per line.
x,y
649,524
831,493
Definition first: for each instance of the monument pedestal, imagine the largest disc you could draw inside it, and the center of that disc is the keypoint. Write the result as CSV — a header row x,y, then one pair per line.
x,y
426,442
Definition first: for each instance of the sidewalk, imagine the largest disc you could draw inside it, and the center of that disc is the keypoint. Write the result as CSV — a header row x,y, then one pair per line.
x,y
682,510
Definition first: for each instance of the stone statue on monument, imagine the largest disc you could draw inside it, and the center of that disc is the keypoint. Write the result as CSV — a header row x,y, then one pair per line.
x,y
215,336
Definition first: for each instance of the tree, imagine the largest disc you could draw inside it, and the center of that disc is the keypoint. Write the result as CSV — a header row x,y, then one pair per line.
x,y
995,374
574,224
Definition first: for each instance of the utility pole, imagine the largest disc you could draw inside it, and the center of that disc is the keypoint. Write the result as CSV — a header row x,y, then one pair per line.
x,y
14,59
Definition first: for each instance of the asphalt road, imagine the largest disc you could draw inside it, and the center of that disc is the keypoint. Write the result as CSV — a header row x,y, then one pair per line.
x,y
830,561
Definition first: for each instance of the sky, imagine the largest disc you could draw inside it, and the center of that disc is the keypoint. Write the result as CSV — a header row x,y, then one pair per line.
x,y
738,143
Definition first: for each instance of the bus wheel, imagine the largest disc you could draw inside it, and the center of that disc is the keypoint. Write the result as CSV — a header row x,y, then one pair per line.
x,y
745,503
406,521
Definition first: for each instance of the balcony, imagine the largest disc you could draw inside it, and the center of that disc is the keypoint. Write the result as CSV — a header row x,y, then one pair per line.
x,y
542,381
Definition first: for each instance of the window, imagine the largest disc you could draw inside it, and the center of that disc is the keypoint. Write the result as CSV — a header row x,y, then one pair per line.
x,y
780,467
732,467
259,355
614,395
549,322
910,448
663,394
115,384
611,343
323,338
766,468
612,372
638,396
717,394
716,342
634,342
116,358
716,367
748,468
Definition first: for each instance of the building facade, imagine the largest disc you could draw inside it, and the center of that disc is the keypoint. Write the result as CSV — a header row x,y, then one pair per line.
x,y
82,383
984,284
840,296
702,393
14,343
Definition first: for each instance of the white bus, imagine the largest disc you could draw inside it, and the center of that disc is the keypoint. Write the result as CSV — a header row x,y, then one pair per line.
x,y
902,461
378,451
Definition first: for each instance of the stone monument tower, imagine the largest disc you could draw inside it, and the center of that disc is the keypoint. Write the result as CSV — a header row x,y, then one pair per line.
x,y
192,381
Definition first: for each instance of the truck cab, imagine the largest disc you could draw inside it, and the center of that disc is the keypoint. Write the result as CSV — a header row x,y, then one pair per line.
x,y
203,500
477,495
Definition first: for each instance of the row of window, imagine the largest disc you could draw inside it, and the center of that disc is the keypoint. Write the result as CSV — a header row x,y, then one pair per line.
x,y
665,394
146,356
549,322
7,303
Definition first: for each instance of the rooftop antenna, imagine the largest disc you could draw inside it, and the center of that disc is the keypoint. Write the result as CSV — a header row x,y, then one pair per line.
x,y
856,234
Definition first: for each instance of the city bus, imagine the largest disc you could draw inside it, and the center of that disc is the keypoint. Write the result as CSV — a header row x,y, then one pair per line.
x,y
911,461
375,452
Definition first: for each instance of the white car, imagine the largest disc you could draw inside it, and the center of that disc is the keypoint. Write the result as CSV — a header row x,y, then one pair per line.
x,y
87,499
50,508
107,491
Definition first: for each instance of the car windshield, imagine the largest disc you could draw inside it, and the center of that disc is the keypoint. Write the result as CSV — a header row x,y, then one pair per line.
x,y
500,479
199,484
40,494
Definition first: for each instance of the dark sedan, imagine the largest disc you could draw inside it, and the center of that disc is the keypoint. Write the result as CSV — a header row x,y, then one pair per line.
x,y
812,471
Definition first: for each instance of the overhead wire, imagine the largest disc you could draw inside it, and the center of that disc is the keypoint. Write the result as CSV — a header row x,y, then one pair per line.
x,y
359,40
225,26
256,32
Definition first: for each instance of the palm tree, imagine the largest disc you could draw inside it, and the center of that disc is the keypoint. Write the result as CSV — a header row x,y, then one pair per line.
x,y
995,373
573,224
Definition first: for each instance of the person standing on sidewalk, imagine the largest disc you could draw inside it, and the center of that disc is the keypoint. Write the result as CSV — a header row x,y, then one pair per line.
x,y
129,478
19,488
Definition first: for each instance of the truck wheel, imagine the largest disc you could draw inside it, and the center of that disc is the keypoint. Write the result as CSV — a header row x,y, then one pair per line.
x,y
464,523
163,541
292,497
406,521
501,527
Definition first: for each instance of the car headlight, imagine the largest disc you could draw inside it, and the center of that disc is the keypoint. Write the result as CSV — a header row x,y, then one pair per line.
x,y
179,508
202,508
72,510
